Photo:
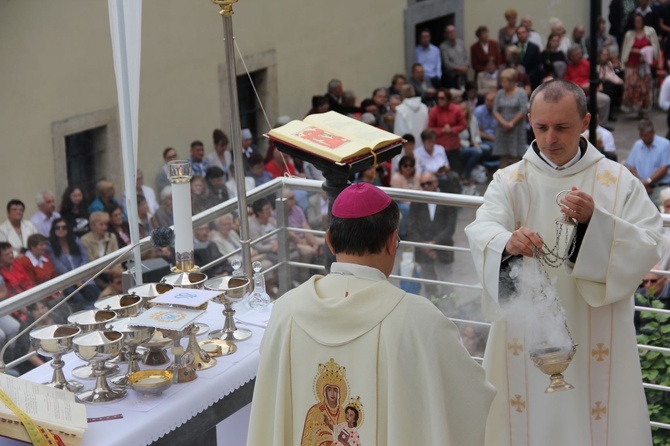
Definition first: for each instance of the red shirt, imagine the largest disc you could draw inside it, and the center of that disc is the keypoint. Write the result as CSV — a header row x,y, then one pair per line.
x,y
277,171
16,279
452,115
578,73
38,274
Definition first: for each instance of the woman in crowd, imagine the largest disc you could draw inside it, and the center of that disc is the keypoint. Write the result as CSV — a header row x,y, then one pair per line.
x,y
199,194
74,209
471,140
447,121
67,253
553,59
115,285
144,217
99,242
406,177
164,215
488,79
509,109
119,228
640,47
610,80
507,34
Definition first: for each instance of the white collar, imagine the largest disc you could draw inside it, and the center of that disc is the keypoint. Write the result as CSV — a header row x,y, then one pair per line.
x,y
359,271
36,262
570,163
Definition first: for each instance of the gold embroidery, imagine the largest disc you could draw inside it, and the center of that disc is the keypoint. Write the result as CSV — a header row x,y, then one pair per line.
x,y
515,346
599,411
517,176
606,178
518,403
600,352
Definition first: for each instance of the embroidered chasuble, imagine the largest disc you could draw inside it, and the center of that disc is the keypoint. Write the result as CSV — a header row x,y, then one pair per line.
x,y
607,407
351,358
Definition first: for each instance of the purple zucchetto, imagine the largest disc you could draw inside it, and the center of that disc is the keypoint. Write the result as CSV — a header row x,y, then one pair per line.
x,y
360,200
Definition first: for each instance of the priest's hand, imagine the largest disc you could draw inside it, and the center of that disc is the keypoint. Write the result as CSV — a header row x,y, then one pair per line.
x,y
578,205
522,242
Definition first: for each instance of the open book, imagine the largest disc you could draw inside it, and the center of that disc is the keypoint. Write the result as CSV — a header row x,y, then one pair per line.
x,y
334,137
49,408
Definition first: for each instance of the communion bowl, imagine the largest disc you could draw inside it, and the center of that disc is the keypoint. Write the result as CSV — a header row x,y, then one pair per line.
x,y
554,361
98,345
232,288
193,280
91,320
125,305
148,291
151,383
53,339
132,335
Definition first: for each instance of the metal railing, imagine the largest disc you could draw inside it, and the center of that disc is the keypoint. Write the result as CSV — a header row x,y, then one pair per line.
x,y
285,265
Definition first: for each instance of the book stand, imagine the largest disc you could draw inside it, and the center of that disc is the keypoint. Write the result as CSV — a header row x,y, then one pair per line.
x,y
337,174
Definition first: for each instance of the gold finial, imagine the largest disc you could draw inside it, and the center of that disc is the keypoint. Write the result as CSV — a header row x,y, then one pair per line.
x,y
226,6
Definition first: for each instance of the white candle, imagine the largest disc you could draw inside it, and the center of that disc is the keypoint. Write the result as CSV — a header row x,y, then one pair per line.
x,y
180,177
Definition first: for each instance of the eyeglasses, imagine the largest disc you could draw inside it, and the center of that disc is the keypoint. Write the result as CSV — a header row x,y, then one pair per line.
x,y
427,183
60,227
650,281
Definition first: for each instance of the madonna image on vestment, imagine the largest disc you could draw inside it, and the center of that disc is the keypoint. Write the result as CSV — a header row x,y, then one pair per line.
x,y
333,420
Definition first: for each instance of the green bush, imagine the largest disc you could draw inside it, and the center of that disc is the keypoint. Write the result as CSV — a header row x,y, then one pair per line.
x,y
655,331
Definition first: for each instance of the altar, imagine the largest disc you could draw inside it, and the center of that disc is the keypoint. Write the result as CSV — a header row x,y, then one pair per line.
x,y
185,413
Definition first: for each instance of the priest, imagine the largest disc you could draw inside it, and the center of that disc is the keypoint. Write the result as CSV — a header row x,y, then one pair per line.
x,y
614,243
350,358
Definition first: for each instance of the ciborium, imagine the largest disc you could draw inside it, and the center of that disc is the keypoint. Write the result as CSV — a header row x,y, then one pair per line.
x,y
554,361
133,337
98,347
156,353
150,290
55,341
124,305
233,289
89,321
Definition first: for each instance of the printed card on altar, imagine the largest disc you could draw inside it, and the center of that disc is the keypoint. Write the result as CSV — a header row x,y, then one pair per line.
x,y
167,318
185,297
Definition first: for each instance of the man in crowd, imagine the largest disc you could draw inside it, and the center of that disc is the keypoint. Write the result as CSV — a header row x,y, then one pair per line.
x,y
433,224
649,160
422,87
579,39
529,56
46,212
487,124
197,159
431,157
15,230
654,287
346,347
533,36
428,55
616,241
455,59
335,102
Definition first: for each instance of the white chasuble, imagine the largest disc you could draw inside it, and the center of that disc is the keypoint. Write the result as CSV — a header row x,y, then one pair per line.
x,y
351,358
621,244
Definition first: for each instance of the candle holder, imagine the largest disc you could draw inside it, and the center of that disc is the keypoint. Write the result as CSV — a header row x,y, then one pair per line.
x,y
232,289
55,341
179,173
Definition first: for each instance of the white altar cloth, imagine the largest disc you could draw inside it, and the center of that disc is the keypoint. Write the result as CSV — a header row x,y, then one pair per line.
x,y
147,419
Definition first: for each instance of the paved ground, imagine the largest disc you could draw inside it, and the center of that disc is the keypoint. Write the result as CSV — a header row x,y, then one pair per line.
x,y
465,303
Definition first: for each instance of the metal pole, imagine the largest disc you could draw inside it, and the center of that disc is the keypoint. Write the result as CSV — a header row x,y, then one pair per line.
x,y
283,251
595,81
236,137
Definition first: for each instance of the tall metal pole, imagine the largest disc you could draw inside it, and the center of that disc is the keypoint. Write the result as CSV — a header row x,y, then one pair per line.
x,y
596,10
236,137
